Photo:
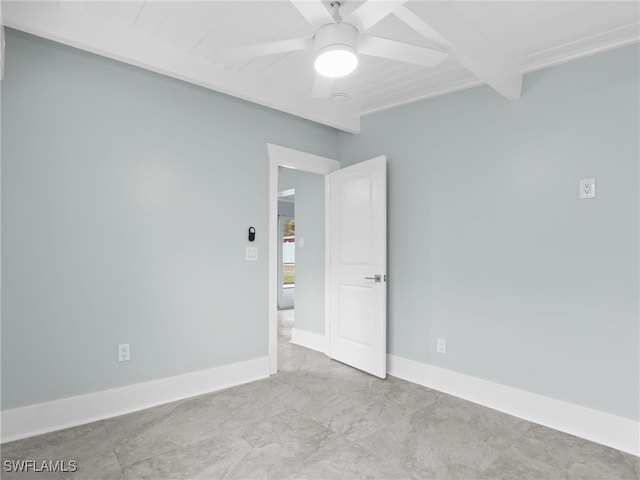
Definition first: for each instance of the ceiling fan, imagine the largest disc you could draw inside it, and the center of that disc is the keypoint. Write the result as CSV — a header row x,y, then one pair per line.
x,y
337,42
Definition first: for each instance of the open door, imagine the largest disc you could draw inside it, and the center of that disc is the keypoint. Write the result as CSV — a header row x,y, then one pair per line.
x,y
357,266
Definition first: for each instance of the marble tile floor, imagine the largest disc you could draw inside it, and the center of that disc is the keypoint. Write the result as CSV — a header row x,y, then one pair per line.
x,y
319,419
285,323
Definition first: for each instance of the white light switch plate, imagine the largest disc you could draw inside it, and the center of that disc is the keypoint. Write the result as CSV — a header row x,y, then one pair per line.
x,y
588,188
251,253
441,346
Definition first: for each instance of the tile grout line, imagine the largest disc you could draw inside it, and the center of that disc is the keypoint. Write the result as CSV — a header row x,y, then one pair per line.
x,y
113,446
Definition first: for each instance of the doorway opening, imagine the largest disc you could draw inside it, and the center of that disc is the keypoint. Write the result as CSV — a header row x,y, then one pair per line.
x,y
288,263
352,293
293,160
286,250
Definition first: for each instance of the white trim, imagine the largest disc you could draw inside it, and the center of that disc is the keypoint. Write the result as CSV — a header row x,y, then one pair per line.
x,y
286,193
598,43
284,157
600,427
312,340
617,37
327,264
22,422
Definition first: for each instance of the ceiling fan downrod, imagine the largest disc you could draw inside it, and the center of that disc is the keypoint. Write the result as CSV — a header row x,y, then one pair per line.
x,y
335,11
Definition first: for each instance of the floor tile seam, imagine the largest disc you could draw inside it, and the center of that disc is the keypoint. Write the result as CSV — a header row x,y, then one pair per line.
x,y
307,368
308,417
399,464
517,453
410,413
381,428
152,422
297,370
310,454
306,362
503,455
163,452
315,421
341,442
343,437
168,450
302,467
410,409
113,446
328,453
329,392
362,442
124,464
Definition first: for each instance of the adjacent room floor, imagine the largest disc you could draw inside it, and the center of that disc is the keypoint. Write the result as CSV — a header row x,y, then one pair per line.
x,y
320,419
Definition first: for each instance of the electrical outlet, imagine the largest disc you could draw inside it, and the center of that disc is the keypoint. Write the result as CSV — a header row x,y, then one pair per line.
x,y
441,346
588,188
124,354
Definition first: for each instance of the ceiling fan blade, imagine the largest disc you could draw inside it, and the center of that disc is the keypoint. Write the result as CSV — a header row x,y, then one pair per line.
x,y
371,12
262,49
322,86
314,12
400,51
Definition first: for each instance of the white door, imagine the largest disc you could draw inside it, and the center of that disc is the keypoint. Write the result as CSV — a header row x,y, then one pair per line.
x,y
358,263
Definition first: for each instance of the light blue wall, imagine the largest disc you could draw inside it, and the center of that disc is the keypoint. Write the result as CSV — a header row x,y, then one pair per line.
x,y
287,209
287,178
310,260
117,225
489,245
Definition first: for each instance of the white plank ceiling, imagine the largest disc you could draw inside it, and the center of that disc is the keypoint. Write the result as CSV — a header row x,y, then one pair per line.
x,y
484,40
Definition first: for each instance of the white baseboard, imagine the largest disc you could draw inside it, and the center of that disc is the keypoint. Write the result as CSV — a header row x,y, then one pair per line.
x,y
600,427
47,417
304,338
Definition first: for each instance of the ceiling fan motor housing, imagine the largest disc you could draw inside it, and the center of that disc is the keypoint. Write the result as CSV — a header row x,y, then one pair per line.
x,y
335,36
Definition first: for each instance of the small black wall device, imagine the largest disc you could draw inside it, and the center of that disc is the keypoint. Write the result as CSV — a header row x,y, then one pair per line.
x,y
252,234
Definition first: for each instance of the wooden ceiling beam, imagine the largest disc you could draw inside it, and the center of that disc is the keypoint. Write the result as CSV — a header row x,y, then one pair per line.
x,y
452,31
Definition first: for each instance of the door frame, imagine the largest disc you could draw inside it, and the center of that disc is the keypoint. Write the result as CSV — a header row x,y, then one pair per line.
x,y
280,156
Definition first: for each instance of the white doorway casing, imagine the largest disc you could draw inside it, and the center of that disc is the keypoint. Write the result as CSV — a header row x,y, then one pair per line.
x,y
280,156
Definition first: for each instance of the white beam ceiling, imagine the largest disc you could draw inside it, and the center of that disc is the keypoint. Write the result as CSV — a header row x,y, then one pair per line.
x,y
492,42
128,46
459,37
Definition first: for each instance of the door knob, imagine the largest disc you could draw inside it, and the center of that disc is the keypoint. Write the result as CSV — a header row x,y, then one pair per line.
x,y
377,278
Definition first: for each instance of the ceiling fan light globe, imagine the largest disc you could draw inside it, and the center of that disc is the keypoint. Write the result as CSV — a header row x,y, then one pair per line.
x,y
336,61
